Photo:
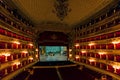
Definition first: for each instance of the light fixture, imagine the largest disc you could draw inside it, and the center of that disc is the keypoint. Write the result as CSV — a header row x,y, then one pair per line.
x,y
83,51
16,42
61,8
36,50
30,44
70,55
116,66
70,50
77,44
92,60
101,53
115,42
77,56
91,44
25,52
30,58
6,54
16,63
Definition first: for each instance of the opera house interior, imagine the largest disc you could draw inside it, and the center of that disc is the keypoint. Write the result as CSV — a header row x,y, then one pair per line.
x,y
59,39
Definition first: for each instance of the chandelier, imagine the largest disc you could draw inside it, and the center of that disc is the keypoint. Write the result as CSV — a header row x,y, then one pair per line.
x,y
61,8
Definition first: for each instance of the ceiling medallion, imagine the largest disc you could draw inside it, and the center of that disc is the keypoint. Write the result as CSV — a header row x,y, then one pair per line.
x,y
61,8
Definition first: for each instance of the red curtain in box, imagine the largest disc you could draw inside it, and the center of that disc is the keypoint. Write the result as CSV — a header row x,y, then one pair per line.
x,y
103,46
2,73
103,36
87,62
19,66
28,54
9,70
88,39
103,56
92,63
93,47
19,46
14,67
117,34
77,53
97,55
15,46
14,35
2,58
97,64
2,31
103,66
14,56
117,58
83,61
84,54
80,53
17,36
84,40
9,45
22,55
76,47
98,46
19,55
92,38
24,46
80,47
2,45
9,33
88,47
88,54
9,58
110,35
118,71
117,46
110,57
92,54
110,46
84,46
80,40
97,38
110,68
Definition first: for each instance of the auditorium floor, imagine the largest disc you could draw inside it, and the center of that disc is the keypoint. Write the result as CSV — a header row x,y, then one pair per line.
x,y
62,70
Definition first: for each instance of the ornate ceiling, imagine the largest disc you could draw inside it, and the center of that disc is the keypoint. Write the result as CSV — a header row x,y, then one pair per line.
x,y
40,12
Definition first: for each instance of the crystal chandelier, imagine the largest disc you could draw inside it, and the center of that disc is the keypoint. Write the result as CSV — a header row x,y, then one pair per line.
x,y
61,8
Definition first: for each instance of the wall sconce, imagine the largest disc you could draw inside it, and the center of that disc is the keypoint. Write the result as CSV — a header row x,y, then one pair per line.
x,y
101,53
77,56
6,54
25,52
70,55
115,42
16,42
91,44
77,44
70,50
36,50
30,58
83,51
30,44
16,63
92,60
36,56
116,66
